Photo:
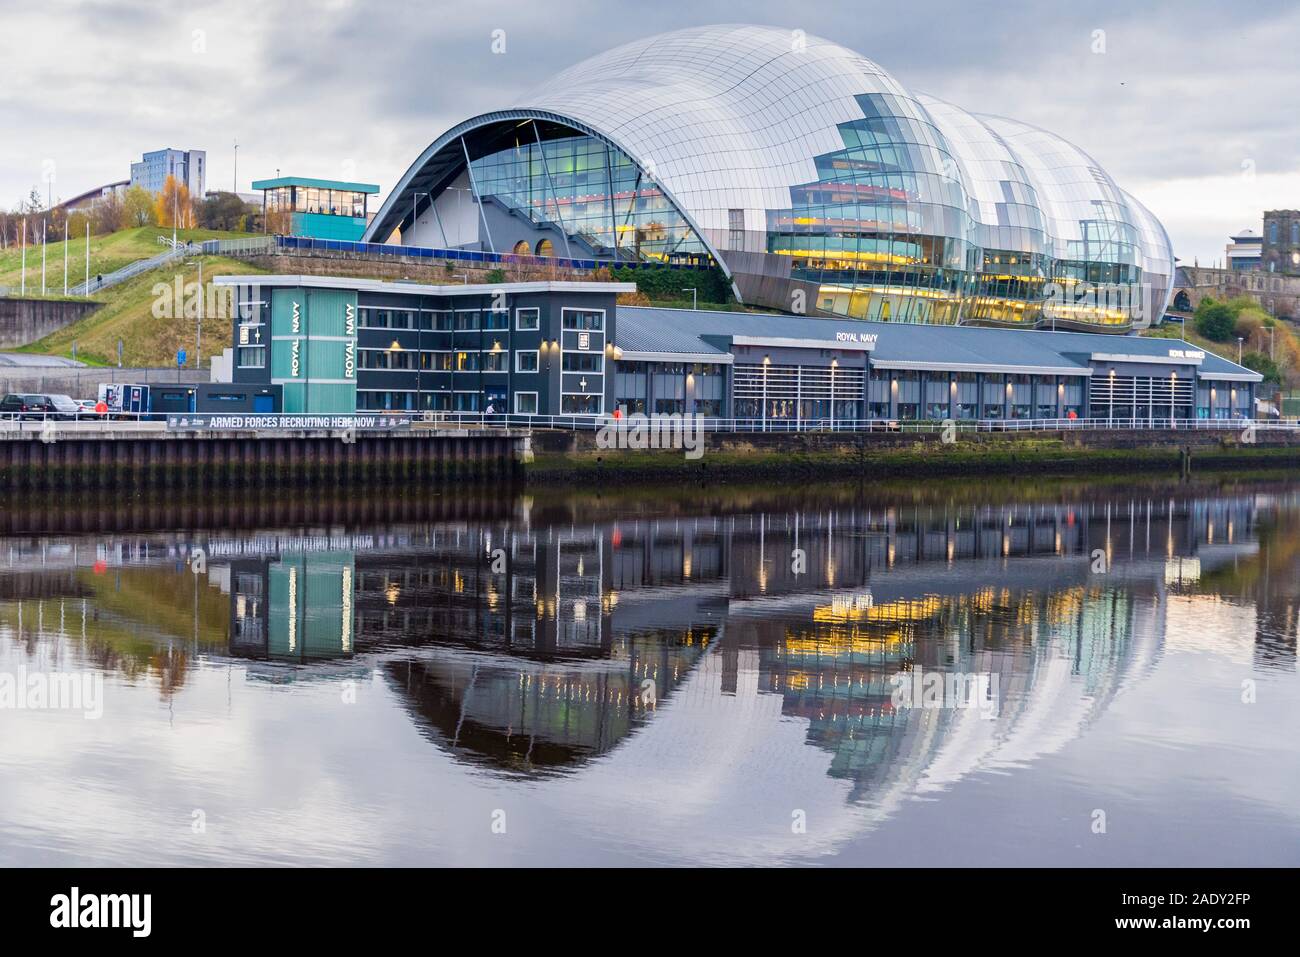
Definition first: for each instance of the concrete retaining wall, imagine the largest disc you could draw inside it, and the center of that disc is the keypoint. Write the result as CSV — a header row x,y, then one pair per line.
x,y
26,320
285,462
307,262
83,382
561,456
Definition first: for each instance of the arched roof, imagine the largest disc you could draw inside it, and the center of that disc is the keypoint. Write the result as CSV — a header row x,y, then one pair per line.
x,y
738,118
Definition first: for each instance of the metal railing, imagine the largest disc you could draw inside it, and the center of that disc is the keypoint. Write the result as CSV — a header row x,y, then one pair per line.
x,y
85,421
128,271
712,424
239,247
469,255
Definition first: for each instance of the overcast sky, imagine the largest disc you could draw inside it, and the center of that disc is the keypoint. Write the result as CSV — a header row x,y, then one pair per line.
x,y
1192,106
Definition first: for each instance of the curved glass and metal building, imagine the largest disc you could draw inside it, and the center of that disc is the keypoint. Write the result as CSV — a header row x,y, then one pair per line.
x,y
812,177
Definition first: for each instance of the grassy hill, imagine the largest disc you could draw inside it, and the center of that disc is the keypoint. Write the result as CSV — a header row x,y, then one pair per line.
x,y
127,313
107,253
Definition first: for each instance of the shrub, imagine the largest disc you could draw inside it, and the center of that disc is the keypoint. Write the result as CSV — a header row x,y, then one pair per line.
x,y
1259,362
1215,321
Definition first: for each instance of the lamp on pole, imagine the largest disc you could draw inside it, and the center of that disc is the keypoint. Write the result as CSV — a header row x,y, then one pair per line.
x,y
767,361
1240,340
834,365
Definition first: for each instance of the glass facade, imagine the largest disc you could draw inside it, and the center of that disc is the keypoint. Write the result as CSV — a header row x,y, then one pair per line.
x,y
883,230
818,180
595,194
311,199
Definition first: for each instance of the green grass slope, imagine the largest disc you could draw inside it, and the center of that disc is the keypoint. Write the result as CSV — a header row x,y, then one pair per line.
x,y
127,313
107,254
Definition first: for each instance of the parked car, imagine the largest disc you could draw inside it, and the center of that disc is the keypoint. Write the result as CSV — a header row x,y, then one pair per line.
x,y
28,405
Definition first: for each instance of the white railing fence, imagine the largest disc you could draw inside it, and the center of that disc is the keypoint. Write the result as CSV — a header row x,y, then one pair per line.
x,y
718,425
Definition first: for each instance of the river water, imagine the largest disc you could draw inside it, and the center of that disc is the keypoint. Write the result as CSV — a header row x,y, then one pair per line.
x,y
978,673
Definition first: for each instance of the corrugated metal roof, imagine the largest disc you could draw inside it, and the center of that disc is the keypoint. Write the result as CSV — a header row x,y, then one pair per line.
x,y
652,329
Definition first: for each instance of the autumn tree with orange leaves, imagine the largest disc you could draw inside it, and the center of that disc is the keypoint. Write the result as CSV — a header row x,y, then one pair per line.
x,y
175,206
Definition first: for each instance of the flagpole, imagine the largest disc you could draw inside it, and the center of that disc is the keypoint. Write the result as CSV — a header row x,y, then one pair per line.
x,y
24,282
87,257
67,238
44,242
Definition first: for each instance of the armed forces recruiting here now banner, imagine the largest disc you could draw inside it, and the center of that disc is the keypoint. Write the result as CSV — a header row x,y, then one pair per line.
x,y
191,421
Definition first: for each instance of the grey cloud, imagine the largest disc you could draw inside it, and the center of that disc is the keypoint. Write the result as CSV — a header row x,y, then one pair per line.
x,y
1185,90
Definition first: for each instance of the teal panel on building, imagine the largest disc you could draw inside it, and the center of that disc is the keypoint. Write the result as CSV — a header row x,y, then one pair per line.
x,y
313,349
311,605
325,226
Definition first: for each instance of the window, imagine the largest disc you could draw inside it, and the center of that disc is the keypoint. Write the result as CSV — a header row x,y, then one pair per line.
x,y
252,357
385,359
735,229
526,361
583,361
593,319
467,320
495,361
526,403
372,400
496,319
528,320
580,405
467,362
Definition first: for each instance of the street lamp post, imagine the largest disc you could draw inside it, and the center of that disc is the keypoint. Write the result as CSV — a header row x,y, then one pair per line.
x,y
1240,340
767,361
834,365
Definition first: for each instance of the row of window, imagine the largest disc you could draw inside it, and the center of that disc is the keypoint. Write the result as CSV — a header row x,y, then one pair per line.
x,y
632,405
493,360
525,403
445,320
527,319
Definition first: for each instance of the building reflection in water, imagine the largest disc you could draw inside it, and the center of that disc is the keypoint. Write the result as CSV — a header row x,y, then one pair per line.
x,y
534,641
